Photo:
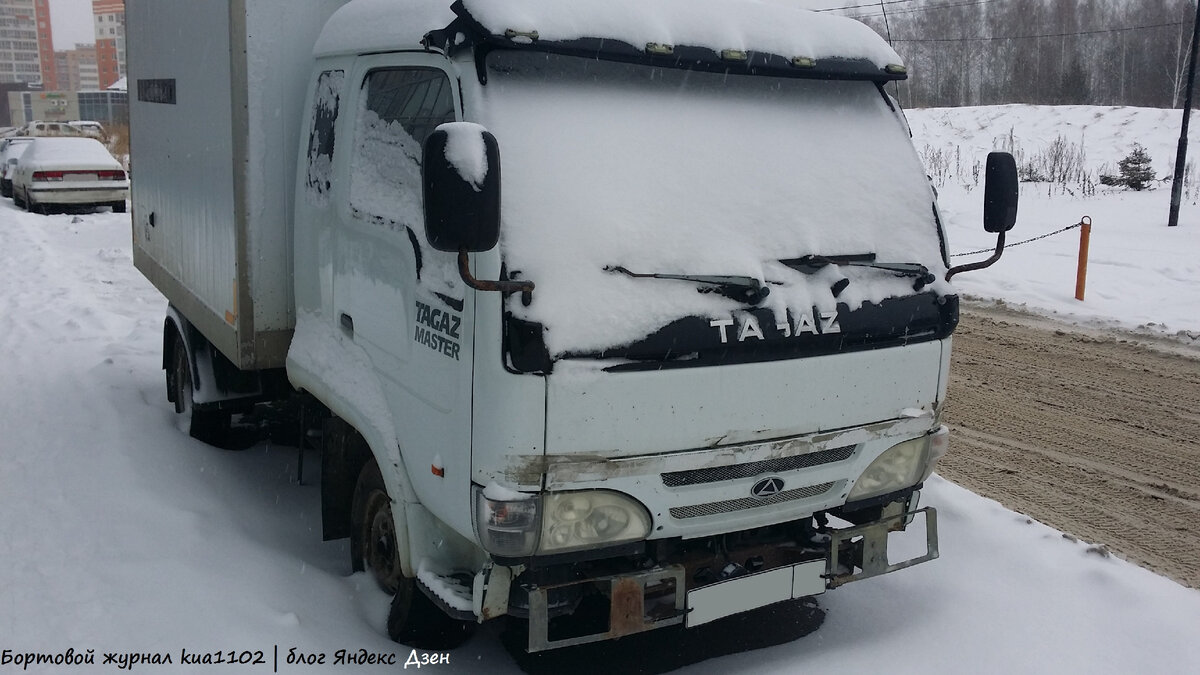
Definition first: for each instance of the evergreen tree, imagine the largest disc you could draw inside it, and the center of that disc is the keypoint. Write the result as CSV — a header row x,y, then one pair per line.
x,y
1136,171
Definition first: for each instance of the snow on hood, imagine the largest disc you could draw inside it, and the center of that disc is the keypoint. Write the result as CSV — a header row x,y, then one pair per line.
x,y
747,25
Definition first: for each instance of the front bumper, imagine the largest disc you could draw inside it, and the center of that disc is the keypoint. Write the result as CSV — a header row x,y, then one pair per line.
x,y
693,583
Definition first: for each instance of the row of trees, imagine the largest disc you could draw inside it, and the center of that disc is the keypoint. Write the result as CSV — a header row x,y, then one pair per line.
x,y
1101,52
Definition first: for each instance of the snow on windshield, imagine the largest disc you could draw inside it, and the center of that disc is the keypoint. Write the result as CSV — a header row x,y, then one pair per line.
x,y
751,25
665,171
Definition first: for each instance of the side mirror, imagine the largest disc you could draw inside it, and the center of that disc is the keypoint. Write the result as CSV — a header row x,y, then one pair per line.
x,y
461,175
1000,192
460,168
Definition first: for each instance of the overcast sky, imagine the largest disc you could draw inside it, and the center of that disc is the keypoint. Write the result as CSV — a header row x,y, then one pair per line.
x,y
72,19
72,23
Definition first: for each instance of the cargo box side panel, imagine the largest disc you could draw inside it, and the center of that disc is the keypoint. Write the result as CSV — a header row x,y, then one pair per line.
x,y
184,229
279,43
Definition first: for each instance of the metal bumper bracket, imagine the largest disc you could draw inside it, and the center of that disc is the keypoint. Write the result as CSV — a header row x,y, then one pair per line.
x,y
870,552
637,603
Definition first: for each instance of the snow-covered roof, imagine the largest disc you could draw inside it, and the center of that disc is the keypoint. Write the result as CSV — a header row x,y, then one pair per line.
x,y
719,25
362,26
726,28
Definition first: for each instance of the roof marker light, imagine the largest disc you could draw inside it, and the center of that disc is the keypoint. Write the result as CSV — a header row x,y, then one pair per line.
x,y
895,69
734,55
523,37
804,62
659,49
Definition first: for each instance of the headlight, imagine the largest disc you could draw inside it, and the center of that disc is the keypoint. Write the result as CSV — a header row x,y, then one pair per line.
x,y
591,519
901,466
511,526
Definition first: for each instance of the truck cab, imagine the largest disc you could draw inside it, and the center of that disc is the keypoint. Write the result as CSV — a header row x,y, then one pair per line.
x,y
639,312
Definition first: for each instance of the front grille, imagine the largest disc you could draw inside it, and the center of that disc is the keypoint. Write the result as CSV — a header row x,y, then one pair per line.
x,y
748,470
713,508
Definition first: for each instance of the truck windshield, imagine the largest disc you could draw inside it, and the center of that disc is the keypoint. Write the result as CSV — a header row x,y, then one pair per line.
x,y
672,175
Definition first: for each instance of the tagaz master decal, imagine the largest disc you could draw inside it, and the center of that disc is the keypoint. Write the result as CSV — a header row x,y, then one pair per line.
x,y
438,329
747,327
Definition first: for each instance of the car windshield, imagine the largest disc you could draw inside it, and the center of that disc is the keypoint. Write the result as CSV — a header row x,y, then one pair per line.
x,y
671,172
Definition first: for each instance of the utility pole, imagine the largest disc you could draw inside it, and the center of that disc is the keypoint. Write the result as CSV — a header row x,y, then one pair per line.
x,y
1181,156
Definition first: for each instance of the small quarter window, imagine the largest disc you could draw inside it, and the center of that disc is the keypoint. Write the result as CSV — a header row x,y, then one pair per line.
x,y
321,136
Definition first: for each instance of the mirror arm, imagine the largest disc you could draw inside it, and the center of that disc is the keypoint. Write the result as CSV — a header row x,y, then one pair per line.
x,y
505,287
981,264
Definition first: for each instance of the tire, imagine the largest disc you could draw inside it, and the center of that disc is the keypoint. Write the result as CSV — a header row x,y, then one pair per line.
x,y
118,207
210,426
413,619
18,202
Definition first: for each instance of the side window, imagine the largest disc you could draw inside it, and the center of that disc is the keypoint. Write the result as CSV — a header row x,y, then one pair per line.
x,y
400,109
321,136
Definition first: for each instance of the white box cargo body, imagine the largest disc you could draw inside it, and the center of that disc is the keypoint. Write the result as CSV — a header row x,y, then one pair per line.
x,y
215,122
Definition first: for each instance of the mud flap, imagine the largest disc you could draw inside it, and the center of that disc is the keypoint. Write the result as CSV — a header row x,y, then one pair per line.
x,y
865,547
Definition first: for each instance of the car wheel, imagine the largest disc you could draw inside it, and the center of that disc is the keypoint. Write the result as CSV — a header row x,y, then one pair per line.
x,y
17,201
118,207
375,546
210,426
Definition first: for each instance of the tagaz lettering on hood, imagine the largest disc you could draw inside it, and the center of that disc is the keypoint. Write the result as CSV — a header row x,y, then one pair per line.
x,y
438,329
742,327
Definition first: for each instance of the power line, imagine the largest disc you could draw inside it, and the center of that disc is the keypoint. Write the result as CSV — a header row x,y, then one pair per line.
x,y
868,5
1045,35
924,8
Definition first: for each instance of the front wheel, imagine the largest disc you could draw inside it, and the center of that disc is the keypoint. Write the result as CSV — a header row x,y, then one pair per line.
x,y
375,546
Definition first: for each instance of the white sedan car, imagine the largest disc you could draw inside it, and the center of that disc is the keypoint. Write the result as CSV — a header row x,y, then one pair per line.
x,y
69,172
10,151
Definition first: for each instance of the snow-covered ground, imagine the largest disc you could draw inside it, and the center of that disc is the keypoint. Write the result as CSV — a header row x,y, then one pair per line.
x,y
1140,273
119,534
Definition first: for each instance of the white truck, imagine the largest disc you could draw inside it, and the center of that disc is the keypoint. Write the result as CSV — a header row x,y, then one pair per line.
x,y
691,364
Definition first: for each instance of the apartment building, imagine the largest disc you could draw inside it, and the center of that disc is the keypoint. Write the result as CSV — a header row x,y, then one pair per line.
x,y
109,18
24,29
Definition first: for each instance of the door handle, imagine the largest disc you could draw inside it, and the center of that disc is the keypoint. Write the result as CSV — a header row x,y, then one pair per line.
x,y
347,322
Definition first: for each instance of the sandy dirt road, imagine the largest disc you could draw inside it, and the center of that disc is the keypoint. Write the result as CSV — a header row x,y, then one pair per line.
x,y
1094,433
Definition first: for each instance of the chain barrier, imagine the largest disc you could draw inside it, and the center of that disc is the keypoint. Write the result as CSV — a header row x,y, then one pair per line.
x,y
1026,241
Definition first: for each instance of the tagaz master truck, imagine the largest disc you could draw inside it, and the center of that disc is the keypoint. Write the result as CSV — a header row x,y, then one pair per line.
x,y
623,305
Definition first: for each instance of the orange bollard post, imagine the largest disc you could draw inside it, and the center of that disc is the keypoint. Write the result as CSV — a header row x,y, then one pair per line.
x,y
1085,236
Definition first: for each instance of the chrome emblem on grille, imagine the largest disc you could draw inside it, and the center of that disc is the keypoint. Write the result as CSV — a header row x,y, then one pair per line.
x,y
767,487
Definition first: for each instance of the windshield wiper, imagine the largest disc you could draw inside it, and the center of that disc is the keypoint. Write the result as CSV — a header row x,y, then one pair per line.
x,y
810,264
743,289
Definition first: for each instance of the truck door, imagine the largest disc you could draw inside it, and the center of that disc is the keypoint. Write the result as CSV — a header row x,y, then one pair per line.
x,y
401,300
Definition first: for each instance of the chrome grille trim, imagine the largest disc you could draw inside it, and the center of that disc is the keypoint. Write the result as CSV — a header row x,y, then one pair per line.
x,y
729,505
750,469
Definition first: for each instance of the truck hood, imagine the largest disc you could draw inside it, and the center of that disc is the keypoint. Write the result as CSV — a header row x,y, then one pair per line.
x,y
590,411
